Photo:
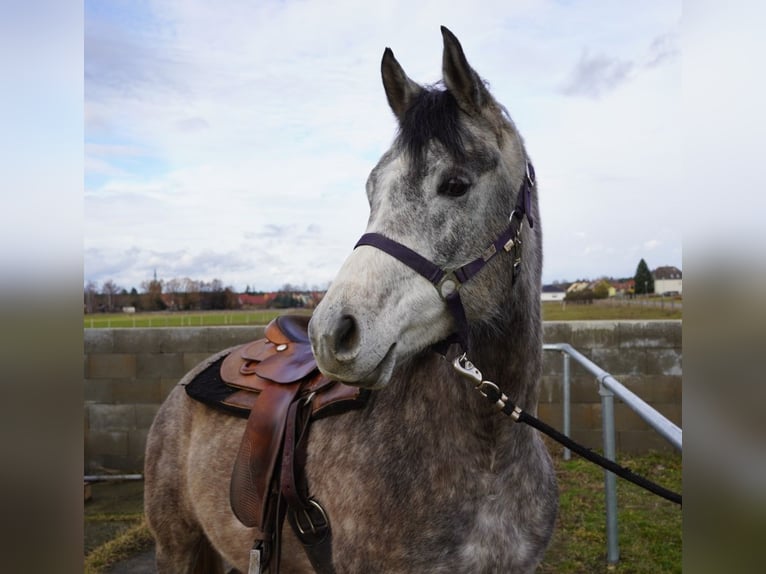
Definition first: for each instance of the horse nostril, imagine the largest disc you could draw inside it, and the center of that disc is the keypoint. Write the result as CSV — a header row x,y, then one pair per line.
x,y
346,335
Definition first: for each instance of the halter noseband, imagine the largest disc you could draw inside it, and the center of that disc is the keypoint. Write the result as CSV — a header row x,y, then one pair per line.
x,y
448,282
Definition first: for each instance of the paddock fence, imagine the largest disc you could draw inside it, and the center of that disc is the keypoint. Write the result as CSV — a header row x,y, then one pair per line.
x,y
609,388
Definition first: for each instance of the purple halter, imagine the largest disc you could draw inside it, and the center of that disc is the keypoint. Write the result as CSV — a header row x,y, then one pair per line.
x,y
448,282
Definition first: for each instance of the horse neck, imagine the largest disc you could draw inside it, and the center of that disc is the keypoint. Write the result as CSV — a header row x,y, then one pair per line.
x,y
508,347
511,358
431,396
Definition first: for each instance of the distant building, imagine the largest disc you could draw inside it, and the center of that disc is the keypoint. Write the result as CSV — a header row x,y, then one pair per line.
x,y
578,286
667,280
258,300
624,288
553,293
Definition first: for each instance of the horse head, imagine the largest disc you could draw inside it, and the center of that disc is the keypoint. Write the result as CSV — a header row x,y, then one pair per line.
x,y
445,190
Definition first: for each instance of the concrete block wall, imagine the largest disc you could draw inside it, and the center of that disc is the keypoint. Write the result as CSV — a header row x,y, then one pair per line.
x,y
128,373
645,356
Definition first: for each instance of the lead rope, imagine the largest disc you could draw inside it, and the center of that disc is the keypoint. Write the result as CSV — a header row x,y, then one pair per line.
x,y
495,396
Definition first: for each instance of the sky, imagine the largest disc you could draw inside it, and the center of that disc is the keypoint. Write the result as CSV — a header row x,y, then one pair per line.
x,y
232,141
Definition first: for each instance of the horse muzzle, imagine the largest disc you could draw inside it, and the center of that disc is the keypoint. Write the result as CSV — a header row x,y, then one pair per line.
x,y
345,353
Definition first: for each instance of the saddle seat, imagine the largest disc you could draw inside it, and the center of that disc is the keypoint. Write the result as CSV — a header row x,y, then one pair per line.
x,y
284,357
276,382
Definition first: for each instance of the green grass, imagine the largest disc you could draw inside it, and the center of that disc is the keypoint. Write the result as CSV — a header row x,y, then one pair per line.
x,y
114,524
184,318
554,311
649,527
127,543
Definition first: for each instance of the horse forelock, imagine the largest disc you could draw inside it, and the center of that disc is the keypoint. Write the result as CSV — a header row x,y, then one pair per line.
x,y
434,115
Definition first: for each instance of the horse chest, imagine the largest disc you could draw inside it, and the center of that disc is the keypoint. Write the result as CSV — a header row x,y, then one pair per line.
x,y
414,503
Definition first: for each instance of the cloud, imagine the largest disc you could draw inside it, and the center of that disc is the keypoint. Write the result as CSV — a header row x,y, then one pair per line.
x,y
192,124
652,244
594,75
235,141
663,48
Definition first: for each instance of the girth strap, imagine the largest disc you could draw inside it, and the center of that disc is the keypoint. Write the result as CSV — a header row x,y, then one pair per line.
x,y
306,516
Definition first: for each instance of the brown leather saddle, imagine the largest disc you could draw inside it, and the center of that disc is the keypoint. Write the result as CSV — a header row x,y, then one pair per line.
x,y
276,379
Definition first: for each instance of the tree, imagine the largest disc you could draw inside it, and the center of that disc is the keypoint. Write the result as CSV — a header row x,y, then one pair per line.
x,y
90,296
110,290
190,298
643,278
286,298
174,287
135,299
601,290
153,295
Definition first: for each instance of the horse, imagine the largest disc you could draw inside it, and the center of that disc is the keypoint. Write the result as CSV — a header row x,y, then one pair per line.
x,y
427,477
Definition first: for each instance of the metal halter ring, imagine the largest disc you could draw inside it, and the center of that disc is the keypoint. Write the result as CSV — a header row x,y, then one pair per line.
x,y
531,178
484,386
448,285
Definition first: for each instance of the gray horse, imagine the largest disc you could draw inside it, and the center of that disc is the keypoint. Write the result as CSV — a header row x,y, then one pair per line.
x,y
428,477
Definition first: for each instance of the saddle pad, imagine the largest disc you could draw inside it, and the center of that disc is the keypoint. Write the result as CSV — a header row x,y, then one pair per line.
x,y
208,388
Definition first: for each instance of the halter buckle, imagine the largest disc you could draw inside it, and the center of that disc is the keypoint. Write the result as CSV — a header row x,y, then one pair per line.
x,y
514,241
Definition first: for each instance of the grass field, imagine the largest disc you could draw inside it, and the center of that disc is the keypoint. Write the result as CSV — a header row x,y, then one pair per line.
x,y
185,318
552,311
607,310
649,527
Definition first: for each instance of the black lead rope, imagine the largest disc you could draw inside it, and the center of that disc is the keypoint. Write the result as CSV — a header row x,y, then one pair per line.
x,y
494,395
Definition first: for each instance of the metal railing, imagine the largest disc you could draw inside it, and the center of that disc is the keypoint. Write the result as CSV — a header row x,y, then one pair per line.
x,y
608,388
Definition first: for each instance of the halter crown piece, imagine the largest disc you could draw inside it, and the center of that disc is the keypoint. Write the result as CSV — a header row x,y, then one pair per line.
x,y
448,282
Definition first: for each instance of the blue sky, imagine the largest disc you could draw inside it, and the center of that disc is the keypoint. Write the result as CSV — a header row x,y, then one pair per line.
x,y
233,141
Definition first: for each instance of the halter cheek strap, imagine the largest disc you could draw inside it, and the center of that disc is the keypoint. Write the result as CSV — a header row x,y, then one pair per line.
x,y
448,282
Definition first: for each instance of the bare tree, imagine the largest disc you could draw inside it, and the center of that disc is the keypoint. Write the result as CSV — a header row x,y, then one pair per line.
x,y
110,290
174,285
90,291
191,293
175,288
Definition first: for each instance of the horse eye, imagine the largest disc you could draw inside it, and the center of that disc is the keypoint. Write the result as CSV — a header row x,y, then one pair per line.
x,y
454,187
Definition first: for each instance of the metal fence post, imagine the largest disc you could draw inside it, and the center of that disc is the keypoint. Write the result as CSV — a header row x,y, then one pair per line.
x,y
567,402
610,480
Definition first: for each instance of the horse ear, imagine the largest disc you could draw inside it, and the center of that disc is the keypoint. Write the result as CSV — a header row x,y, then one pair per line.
x,y
464,83
400,90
